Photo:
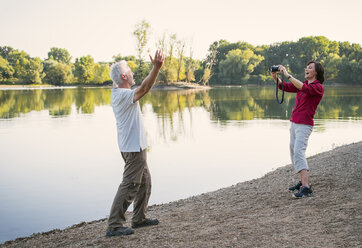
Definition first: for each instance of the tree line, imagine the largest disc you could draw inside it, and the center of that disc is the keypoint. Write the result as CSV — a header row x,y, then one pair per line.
x,y
225,64
240,62
18,67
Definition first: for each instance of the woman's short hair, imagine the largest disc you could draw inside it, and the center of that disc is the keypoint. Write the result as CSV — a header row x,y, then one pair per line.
x,y
319,69
117,69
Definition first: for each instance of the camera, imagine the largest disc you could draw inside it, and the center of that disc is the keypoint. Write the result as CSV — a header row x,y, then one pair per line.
x,y
274,68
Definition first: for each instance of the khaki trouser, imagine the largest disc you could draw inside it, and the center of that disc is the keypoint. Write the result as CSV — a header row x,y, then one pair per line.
x,y
135,187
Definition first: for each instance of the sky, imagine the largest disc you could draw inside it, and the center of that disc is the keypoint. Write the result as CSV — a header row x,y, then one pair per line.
x,y
104,28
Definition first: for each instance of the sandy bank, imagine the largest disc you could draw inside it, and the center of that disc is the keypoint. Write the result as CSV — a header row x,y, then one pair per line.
x,y
257,213
179,85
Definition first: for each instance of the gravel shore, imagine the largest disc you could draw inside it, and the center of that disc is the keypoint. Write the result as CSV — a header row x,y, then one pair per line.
x,y
256,213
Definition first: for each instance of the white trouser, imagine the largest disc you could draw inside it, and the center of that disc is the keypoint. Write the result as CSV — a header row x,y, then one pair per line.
x,y
299,135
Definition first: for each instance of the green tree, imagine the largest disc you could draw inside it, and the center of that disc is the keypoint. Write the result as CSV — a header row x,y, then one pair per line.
x,y
278,53
161,44
351,51
211,59
168,72
350,68
58,74
142,32
59,54
5,50
26,69
331,64
119,57
238,65
101,73
311,48
6,70
170,69
84,69
191,65
132,64
171,61
316,48
350,71
131,61
206,76
217,53
33,71
18,60
47,64
180,48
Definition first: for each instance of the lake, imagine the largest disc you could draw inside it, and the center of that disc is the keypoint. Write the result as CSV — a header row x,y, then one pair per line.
x,y
60,163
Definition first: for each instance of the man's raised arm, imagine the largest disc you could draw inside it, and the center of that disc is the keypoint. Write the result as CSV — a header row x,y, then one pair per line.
x,y
150,80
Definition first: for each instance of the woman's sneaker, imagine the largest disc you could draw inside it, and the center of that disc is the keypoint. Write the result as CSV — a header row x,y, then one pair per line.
x,y
303,192
296,187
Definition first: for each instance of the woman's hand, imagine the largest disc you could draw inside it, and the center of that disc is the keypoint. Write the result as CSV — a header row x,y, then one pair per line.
x,y
283,70
274,74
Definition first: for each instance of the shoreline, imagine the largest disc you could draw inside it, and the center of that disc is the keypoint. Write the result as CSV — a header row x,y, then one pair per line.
x,y
255,213
171,86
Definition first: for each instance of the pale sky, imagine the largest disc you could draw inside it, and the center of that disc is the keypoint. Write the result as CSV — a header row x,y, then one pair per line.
x,y
103,28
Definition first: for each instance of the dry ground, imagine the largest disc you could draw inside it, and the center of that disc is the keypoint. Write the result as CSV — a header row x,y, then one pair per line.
x,y
257,213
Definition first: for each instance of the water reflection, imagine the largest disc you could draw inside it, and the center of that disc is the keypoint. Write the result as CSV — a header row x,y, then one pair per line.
x,y
224,104
56,172
59,102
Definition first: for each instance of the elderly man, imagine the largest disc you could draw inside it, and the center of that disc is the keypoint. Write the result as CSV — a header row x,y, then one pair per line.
x,y
136,183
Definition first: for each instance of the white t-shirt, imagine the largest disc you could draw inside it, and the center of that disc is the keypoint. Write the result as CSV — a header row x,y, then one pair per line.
x,y
130,129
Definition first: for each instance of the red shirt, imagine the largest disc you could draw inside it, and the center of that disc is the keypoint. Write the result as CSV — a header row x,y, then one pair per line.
x,y
307,101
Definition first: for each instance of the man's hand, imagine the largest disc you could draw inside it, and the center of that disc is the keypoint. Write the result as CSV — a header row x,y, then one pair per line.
x,y
158,60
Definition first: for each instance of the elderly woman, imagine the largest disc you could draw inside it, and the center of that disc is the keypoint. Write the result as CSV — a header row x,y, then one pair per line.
x,y
309,94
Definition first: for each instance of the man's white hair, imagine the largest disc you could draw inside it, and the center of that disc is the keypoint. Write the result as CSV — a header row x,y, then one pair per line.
x,y
117,69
